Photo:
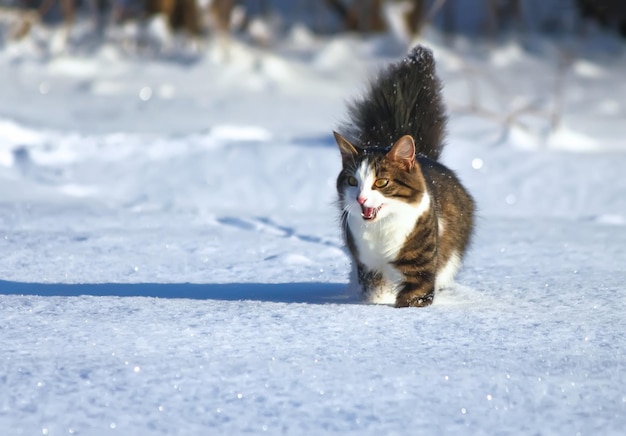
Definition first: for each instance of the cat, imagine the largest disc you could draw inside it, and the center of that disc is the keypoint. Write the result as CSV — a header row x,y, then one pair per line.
x,y
407,220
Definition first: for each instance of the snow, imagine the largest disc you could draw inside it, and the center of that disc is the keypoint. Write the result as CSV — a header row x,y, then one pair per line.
x,y
172,263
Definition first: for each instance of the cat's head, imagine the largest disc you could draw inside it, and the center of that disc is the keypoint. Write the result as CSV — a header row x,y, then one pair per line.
x,y
376,183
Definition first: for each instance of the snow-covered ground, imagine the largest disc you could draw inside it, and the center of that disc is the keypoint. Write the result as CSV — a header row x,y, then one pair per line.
x,y
171,261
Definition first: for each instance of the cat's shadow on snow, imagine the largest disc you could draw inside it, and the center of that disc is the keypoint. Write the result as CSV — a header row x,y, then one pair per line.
x,y
311,293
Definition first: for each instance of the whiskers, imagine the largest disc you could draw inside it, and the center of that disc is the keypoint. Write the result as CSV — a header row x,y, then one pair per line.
x,y
346,212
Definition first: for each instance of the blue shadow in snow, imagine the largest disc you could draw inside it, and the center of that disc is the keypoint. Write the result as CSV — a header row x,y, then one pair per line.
x,y
311,293
316,141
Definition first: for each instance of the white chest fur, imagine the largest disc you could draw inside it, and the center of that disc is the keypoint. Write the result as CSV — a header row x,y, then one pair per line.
x,y
379,242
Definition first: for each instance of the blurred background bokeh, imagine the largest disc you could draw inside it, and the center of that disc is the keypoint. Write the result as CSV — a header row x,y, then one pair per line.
x,y
262,21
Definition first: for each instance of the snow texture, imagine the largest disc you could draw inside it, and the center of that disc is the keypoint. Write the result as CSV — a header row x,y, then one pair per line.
x,y
172,263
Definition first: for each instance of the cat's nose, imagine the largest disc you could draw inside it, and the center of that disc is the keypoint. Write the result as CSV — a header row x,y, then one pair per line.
x,y
361,200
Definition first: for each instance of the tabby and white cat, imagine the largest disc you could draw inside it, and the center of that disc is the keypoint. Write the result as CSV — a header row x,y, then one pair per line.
x,y
406,218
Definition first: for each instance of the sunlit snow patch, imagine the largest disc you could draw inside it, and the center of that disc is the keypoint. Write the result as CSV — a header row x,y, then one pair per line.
x,y
611,219
524,139
240,133
12,133
13,136
78,191
565,138
587,69
108,87
507,55
73,67
458,295
337,52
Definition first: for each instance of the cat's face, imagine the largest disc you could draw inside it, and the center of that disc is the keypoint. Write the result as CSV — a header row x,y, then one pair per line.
x,y
375,187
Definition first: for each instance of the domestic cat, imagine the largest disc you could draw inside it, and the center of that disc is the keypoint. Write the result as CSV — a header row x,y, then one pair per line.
x,y
406,219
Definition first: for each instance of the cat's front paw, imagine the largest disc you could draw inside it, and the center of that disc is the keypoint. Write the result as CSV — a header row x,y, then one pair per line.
x,y
414,300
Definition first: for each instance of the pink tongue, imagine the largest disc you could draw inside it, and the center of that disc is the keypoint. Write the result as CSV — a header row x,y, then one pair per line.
x,y
369,212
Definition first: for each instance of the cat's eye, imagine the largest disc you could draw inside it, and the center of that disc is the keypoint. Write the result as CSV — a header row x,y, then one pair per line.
x,y
352,181
381,183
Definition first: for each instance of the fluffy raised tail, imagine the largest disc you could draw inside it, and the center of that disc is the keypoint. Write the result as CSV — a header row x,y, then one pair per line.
x,y
404,100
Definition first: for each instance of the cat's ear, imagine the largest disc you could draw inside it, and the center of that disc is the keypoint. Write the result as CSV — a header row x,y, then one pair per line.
x,y
348,151
403,151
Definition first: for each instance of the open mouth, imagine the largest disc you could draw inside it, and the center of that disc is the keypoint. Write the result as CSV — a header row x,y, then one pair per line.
x,y
369,213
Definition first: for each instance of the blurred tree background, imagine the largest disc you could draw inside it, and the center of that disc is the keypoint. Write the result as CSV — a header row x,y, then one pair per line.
x,y
260,20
